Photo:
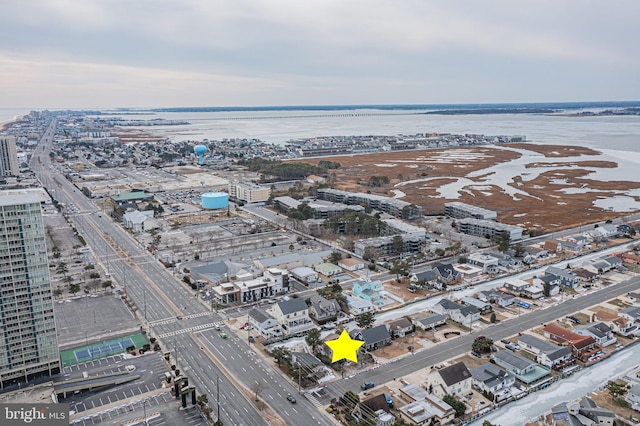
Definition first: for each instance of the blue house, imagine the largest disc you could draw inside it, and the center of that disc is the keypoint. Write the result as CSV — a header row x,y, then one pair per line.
x,y
367,290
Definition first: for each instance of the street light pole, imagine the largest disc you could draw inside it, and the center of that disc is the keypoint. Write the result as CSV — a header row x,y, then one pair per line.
x,y
218,397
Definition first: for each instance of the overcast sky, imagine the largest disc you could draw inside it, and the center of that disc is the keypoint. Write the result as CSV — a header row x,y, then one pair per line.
x,y
154,53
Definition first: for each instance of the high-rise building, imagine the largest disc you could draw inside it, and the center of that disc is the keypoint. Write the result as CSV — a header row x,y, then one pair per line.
x,y
8,156
28,342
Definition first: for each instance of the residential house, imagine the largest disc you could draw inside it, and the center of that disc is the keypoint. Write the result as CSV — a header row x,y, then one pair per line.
x,y
491,378
514,363
567,278
587,413
327,269
453,380
488,263
470,301
614,261
585,275
351,264
371,291
505,260
630,257
581,346
323,310
292,315
521,287
537,253
426,278
373,338
463,314
601,332
633,397
374,408
311,363
429,322
447,274
496,296
359,306
426,408
547,354
400,327
264,324
569,246
632,313
597,266
553,246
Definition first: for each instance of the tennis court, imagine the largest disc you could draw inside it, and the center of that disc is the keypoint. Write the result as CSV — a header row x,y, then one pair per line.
x,y
101,350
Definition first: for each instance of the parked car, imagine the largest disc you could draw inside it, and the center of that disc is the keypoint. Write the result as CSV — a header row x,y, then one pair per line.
x,y
367,385
243,326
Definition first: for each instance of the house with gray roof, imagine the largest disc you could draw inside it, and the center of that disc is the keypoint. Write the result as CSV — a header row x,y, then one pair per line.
x,y
602,334
426,278
587,413
400,327
359,306
373,338
633,397
292,315
547,353
453,380
264,323
567,278
632,313
491,378
463,314
429,322
447,274
323,310
470,301
496,296
304,274
514,363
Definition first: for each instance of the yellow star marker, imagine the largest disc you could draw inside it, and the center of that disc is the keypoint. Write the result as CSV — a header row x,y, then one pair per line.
x,y
344,347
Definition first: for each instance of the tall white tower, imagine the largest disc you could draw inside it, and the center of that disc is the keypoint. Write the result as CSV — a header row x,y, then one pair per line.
x,y
28,342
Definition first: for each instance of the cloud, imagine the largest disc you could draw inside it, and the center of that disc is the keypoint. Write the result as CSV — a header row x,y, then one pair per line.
x,y
463,50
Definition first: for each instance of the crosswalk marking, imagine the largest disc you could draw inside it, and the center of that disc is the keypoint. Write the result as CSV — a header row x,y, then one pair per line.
x,y
313,400
170,320
190,329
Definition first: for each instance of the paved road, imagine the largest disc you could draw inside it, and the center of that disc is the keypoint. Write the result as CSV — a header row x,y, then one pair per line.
x,y
448,349
160,298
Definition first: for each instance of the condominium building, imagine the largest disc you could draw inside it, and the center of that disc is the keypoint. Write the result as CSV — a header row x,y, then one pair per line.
x,y
28,342
488,228
458,210
393,206
8,156
248,192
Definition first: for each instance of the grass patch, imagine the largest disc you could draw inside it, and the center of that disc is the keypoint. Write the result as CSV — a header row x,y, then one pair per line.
x,y
619,303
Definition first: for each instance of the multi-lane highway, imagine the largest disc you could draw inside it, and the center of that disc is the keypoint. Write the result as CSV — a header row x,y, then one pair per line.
x,y
201,353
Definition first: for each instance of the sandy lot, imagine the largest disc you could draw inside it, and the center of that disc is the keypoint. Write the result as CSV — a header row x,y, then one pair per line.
x,y
532,185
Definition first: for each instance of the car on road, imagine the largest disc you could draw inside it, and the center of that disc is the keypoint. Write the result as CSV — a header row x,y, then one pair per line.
x,y
367,385
291,399
179,317
223,335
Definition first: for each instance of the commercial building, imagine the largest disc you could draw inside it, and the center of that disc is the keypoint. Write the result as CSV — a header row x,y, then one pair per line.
x,y
8,156
28,342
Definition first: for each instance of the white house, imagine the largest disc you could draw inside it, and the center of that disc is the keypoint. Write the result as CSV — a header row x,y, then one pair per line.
x,y
264,324
292,315
140,221
351,264
453,380
463,314
491,378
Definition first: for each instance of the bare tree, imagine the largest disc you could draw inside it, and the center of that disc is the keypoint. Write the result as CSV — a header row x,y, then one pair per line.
x,y
256,388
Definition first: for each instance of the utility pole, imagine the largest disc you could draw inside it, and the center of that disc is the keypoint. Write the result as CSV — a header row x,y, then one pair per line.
x,y
144,411
218,397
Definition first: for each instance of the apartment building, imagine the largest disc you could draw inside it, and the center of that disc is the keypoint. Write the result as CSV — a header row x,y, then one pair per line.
x,y
249,192
28,342
393,206
8,156
458,210
488,228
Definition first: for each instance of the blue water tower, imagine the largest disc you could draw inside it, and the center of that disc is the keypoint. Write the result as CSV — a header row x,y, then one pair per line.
x,y
200,150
